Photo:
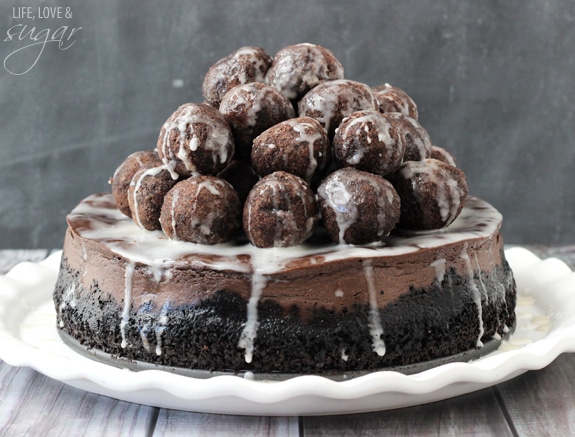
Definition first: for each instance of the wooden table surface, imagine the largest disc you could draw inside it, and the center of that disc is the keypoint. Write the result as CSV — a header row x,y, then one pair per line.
x,y
537,403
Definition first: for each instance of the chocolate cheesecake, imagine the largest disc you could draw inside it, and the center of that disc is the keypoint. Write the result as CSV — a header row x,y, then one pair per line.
x,y
254,239
317,308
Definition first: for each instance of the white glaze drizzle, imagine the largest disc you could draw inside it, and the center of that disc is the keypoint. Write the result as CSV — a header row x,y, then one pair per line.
x,y
68,299
482,287
439,266
156,272
206,223
304,128
250,330
161,326
175,199
250,97
154,171
338,198
264,262
476,293
152,248
128,277
374,324
144,330
84,253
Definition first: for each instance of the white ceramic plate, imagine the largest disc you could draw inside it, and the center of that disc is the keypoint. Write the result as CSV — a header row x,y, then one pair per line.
x,y
545,329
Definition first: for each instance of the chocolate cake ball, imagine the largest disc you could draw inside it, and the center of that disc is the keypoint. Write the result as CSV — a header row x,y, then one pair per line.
x,y
125,172
417,141
368,141
252,108
442,155
247,64
196,138
432,194
241,175
202,209
331,101
298,68
146,196
393,99
280,211
298,146
357,207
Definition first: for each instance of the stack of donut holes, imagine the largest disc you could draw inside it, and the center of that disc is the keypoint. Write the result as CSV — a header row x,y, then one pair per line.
x,y
284,146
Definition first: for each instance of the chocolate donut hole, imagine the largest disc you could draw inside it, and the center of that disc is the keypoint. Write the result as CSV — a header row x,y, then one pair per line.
x,y
330,102
393,99
298,68
247,64
280,211
125,172
357,207
196,139
252,108
368,141
432,194
146,196
298,146
202,209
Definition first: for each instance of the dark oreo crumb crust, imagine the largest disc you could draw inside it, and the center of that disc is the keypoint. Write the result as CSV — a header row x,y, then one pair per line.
x,y
418,327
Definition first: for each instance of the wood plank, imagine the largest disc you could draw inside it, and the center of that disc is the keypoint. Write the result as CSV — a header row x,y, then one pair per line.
x,y
472,414
10,257
542,402
172,422
33,404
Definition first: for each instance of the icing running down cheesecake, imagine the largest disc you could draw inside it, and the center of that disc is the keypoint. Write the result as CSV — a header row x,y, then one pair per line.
x,y
295,222
319,307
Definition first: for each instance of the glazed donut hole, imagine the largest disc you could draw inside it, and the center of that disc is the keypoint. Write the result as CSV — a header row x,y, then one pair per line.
x,y
330,102
416,138
123,175
195,139
250,109
441,154
392,99
245,65
369,141
146,196
357,207
432,194
298,146
201,209
280,211
298,68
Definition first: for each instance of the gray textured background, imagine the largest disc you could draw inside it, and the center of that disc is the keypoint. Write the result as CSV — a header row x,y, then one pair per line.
x,y
494,82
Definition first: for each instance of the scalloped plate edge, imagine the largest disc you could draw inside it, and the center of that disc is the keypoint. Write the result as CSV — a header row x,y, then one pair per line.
x,y
299,395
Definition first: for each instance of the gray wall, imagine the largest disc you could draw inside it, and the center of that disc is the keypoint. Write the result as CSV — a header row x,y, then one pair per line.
x,y
494,82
